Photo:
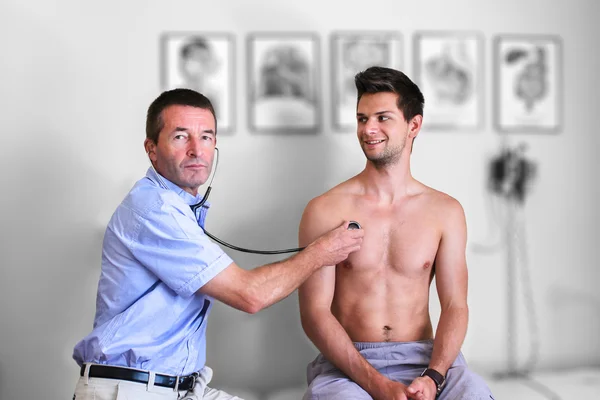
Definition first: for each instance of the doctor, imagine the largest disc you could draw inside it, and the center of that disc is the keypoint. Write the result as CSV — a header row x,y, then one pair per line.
x,y
161,274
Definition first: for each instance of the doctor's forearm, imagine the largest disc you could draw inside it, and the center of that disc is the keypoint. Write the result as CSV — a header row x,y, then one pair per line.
x,y
271,283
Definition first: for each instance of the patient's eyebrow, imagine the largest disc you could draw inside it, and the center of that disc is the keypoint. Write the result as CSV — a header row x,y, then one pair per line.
x,y
358,114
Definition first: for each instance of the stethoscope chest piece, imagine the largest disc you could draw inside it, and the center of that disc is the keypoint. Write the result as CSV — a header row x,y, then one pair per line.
x,y
354,225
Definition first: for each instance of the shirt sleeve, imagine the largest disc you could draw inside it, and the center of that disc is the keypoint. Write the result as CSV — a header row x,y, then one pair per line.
x,y
171,245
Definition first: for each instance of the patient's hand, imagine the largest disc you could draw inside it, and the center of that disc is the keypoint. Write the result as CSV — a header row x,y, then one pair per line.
x,y
422,388
392,391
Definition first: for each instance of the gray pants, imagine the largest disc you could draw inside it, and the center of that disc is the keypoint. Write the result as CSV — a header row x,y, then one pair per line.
x,y
400,362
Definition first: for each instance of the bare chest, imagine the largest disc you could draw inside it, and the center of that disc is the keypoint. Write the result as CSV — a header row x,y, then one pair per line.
x,y
401,242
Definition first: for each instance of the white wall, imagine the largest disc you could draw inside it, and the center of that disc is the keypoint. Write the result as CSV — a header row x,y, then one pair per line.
x,y
76,79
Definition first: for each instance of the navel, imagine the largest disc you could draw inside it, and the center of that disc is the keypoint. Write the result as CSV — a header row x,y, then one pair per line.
x,y
387,331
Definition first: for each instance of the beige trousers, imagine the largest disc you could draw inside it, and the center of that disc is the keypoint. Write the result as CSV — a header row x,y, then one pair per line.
x,y
112,389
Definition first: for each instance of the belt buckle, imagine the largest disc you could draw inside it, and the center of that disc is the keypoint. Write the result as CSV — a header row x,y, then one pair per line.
x,y
194,376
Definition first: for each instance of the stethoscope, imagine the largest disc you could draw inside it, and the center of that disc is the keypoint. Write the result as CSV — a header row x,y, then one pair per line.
x,y
197,206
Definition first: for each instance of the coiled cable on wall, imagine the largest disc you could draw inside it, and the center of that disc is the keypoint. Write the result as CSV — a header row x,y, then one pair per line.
x,y
509,179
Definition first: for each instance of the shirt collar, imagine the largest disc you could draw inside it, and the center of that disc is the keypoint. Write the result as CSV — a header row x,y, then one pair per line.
x,y
162,182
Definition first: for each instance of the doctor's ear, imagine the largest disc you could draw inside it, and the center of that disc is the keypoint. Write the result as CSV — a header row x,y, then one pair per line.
x,y
150,147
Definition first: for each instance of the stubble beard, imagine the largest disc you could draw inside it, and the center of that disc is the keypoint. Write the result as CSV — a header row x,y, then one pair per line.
x,y
198,179
180,177
388,157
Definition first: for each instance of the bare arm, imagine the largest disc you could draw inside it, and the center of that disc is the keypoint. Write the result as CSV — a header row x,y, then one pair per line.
x,y
321,326
451,282
253,290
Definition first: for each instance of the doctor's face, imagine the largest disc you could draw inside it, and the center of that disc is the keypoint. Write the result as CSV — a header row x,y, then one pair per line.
x,y
186,146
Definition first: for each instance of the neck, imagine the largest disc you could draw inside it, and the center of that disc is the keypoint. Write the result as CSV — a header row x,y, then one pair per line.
x,y
390,182
162,183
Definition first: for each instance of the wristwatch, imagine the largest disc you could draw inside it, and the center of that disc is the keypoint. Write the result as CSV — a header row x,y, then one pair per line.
x,y
439,379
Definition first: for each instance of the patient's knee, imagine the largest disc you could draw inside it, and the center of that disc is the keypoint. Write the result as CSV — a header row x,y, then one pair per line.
x,y
462,383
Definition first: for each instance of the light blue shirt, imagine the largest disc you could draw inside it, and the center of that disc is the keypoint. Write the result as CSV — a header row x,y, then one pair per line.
x,y
155,257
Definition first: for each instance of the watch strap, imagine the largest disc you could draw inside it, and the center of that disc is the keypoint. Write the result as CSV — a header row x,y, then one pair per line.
x,y
436,377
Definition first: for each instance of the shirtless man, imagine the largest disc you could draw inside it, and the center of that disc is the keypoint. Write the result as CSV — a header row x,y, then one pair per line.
x,y
369,315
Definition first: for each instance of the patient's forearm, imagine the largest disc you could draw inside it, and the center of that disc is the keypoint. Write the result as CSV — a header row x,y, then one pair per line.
x,y
449,337
331,339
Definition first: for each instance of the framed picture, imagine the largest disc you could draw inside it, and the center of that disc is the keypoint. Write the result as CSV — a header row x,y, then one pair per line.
x,y
449,72
203,62
283,83
352,52
528,78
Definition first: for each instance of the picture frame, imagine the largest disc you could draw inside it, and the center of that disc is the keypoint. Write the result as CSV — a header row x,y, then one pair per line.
x,y
352,52
283,83
205,62
449,71
528,83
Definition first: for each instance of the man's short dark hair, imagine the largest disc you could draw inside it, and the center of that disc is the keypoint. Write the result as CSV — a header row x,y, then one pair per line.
x,y
381,79
175,97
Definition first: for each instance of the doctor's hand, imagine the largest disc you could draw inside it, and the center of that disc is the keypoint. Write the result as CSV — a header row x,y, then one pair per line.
x,y
334,247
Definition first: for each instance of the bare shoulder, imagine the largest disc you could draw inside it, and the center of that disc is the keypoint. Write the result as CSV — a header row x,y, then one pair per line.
x,y
338,197
325,212
446,207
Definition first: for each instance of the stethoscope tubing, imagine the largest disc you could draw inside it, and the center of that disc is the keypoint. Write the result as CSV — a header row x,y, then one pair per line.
x,y
196,206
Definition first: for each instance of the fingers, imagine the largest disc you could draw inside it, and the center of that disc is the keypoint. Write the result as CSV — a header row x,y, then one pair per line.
x,y
353,233
344,225
354,245
356,233
350,225
418,396
355,248
342,241
415,391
